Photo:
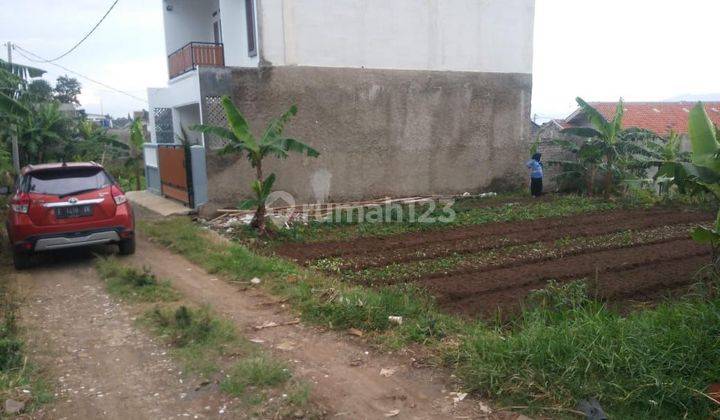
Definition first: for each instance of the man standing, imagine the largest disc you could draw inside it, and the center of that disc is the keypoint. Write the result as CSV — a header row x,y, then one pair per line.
x,y
536,175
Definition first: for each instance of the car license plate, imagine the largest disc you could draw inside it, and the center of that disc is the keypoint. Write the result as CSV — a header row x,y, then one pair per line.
x,y
73,211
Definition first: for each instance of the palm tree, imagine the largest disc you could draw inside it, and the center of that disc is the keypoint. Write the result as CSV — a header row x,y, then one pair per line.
x,y
610,140
271,143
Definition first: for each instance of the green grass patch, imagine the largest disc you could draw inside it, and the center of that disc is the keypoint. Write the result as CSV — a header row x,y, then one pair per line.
x,y
132,284
255,372
237,262
198,338
656,363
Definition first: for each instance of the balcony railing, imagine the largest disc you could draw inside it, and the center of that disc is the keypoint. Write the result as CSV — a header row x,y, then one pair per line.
x,y
195,54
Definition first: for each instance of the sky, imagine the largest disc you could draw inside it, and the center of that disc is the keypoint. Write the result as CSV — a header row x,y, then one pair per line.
x,y
600,50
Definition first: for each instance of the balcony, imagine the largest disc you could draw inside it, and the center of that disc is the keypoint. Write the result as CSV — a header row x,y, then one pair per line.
x,y
195,54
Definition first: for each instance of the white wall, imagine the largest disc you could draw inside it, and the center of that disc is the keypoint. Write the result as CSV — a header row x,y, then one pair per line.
x,y
234,27
189,20
184,90
459,35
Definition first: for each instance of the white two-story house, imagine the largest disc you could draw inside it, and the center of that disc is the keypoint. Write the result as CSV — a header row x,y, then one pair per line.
x,y
401,97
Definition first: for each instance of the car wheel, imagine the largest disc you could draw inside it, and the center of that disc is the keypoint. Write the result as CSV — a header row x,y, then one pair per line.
x,y
127,246
21,260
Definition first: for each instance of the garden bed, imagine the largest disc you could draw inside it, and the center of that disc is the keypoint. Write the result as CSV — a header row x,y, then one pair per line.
x,y
629,256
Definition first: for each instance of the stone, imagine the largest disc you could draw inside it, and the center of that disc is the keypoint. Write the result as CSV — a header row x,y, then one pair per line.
x,y
13,406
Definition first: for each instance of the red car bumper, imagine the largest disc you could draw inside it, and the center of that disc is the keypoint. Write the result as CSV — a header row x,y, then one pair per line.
x,y
26,236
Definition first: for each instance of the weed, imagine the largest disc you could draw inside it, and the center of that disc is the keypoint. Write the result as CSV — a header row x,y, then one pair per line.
x,y
132,284
198,338
257,372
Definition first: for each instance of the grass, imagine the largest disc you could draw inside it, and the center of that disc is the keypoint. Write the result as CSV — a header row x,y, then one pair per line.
x,y
654,363
651,364
132,284
258,371
17,374
199,340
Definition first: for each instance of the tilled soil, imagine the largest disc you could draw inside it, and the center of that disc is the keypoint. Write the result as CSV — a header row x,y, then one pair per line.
x,y
375,252
621,274
617,274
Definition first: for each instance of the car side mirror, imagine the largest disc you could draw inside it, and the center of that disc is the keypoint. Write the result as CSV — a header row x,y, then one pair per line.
x,y
4,190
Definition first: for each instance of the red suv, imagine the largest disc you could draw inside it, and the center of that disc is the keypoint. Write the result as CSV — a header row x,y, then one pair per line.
x,y
66,205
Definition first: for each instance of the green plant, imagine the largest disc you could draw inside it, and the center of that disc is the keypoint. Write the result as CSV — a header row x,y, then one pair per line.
x,y
258,371
671,163
133,284
706,161
271,143
655,363
609,149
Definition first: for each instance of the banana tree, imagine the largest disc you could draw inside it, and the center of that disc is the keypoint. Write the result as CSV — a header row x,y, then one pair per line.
x,y
706,159
615,144
241,142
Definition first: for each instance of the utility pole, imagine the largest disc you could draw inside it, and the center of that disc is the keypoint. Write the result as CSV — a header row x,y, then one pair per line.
x,y
13,137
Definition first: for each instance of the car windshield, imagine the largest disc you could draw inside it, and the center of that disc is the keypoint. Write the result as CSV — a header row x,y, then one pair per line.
x,y
66,181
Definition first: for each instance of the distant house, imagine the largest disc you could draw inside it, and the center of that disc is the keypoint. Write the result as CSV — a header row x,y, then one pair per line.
x,y
101,120
658,117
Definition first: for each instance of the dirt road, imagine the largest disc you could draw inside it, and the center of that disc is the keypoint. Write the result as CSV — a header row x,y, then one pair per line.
x,y
105,366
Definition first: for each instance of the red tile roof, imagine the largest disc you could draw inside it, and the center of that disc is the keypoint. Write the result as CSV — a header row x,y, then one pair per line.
x,y
659,117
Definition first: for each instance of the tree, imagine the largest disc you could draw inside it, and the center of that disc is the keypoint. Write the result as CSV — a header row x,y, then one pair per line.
x,y
271,143
67,89
135,159
94,142
611,142
706,160
39,90
45,134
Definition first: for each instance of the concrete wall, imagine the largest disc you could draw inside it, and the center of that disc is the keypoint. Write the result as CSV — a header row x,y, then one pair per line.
x,y
458,35
380,132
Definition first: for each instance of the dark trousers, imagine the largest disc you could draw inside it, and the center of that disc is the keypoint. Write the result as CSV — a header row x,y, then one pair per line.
x,y
536,187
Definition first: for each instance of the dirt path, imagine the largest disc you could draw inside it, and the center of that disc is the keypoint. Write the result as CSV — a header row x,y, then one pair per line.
x,y
344,372
105,366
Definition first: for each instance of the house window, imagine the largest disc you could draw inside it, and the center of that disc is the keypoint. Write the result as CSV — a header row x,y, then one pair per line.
x,y
250,18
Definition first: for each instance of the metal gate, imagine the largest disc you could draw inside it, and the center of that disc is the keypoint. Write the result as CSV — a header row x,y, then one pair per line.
x,y
176,173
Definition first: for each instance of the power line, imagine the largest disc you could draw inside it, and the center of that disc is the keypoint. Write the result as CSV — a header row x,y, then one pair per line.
x,y
21,50
85,37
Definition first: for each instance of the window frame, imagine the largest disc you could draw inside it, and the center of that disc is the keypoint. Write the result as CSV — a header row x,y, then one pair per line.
x,y
251,28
